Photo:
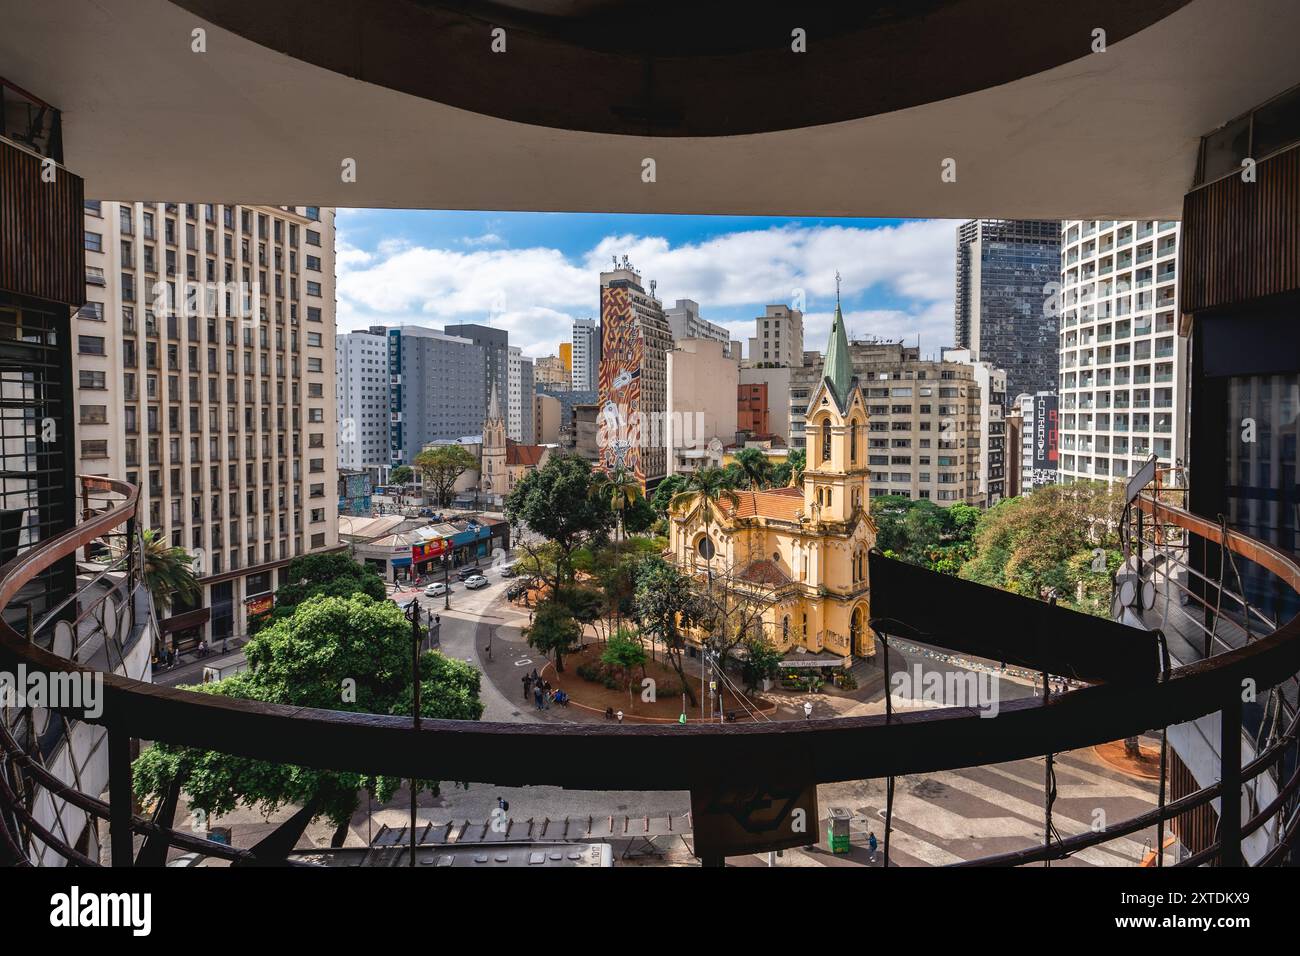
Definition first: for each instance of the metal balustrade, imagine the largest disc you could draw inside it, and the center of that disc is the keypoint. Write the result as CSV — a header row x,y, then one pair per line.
x,y
696,757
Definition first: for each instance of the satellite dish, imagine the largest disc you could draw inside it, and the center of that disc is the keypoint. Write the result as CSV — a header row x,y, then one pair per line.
x,y
1127,592
1148,594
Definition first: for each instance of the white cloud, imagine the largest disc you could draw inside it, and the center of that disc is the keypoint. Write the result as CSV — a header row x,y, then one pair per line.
x,y
487,239
535,292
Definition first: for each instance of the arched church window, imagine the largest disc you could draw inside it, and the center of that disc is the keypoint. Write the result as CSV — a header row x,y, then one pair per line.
x,y
855,629
826,440
706,549
853,442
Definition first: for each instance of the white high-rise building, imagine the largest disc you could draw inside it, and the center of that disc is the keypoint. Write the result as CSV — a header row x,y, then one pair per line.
x,y
515,393
205,379
361,363
1123,366
586,355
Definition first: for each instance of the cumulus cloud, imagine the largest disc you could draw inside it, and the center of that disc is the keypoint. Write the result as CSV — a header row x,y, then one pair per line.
x,y
535,292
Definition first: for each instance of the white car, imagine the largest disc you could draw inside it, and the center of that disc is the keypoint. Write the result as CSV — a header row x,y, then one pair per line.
x,y
436,589
475,582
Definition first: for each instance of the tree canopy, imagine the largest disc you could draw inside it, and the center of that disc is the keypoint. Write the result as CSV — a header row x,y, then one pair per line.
x,y
556,501
439,468
336,653
332,575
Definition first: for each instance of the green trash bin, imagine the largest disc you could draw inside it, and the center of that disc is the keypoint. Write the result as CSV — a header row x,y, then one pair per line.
x,y
837,830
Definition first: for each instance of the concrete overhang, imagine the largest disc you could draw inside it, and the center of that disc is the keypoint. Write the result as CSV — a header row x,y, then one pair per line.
x,y
1105,135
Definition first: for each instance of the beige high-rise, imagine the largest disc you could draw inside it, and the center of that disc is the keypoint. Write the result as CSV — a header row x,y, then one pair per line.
x,y
205,375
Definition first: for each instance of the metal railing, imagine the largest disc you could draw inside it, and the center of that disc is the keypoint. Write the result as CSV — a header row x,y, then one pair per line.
x,y
697,757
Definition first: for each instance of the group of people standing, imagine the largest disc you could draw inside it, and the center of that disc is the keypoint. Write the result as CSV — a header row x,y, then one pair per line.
x,y
542,694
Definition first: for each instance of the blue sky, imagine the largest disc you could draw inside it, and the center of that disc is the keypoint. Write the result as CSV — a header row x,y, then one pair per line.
x,y
532,273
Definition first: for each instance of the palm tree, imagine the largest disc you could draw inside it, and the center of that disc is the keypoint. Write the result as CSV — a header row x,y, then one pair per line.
x,y
798,461
620,488
709,487
167,571
754,466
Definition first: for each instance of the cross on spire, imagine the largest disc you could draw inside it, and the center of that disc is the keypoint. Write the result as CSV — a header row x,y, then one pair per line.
x,y
837,288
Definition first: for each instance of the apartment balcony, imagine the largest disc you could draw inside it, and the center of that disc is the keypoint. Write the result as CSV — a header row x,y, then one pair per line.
x,y
1124,690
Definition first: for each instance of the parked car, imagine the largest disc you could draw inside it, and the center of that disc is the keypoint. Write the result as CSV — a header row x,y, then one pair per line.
x,y
436,589
466,573
475,582
508,570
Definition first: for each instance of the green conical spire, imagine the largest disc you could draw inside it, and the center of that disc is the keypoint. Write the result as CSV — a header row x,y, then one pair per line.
x,y
837,368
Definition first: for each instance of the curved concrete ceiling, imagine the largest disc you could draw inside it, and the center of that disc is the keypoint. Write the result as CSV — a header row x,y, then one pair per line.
x,y
1109,135
681,67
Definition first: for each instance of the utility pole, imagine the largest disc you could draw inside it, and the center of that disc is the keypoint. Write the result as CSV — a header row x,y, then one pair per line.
x,y
414,612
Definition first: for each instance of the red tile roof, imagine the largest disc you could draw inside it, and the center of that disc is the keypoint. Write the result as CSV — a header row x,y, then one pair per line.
x,y
528,455
783,504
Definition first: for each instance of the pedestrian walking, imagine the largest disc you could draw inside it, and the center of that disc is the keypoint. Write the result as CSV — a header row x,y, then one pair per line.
x,y
537,696
872,843
528,685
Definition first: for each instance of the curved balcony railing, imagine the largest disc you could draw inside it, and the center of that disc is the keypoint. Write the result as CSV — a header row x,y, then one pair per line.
x,y
696,757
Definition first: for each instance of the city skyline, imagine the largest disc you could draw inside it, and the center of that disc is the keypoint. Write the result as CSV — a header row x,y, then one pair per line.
x,y
532,273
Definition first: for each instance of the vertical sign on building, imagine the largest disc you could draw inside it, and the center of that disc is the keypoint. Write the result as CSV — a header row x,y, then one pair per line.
x,y
1046,445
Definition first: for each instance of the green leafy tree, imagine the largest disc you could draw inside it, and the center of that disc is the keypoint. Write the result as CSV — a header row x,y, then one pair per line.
x,y
330,575
439,468
639,517
350,654
556,502
1027,544
665,603
401,475
624,653
554,631
762,661
168,571
662,499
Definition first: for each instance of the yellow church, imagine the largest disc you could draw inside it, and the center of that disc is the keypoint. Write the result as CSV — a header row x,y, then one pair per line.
x,y
799,552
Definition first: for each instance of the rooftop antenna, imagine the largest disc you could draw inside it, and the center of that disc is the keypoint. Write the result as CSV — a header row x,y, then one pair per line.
x,y
837,288
653,284
615,260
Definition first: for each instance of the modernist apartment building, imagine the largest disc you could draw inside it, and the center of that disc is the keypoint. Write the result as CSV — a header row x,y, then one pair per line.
x,y
361,365
434,392
495,344
633,386
205,375
1007,270
778,338
1123,375
925,434
586,355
